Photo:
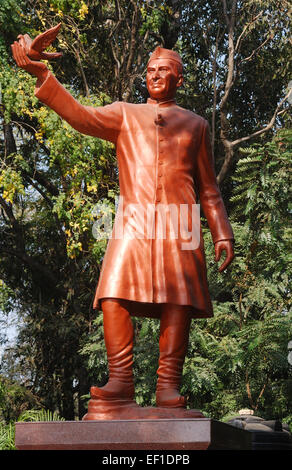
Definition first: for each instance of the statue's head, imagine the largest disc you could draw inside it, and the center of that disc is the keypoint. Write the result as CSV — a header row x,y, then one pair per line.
x,y
164,74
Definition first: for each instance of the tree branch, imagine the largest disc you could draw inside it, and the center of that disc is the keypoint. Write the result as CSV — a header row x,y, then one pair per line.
x,y
267,127
244,30
256,50
230,145
230,24
8,210
39,190
42,180
7,207
215,90
260,395
34,265
9,141
248,391
133,38
86,88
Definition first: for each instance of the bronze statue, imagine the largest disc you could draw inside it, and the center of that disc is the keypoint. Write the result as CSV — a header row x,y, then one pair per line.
x,y
165,160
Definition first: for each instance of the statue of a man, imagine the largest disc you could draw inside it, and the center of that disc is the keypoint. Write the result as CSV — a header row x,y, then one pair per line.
x,y
165,160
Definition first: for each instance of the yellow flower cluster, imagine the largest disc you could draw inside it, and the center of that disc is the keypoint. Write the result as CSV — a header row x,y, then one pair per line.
x,y
39,136
83,11
11,184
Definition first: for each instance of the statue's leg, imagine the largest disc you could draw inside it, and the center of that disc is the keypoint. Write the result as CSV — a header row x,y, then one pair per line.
x,y
118,336
174,336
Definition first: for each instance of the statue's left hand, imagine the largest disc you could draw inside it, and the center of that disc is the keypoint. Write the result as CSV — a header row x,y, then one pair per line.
x,y
227,246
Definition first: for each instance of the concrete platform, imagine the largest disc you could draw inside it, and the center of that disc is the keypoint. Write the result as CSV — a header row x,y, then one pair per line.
x,y
140,434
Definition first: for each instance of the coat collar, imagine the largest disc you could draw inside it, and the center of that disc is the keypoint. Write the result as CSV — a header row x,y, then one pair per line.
x,y
163,104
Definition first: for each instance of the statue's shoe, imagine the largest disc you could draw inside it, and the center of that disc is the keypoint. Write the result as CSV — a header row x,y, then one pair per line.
x,y
114,389
170,398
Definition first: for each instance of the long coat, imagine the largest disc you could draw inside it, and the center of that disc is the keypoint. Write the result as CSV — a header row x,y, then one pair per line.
x,y
165,161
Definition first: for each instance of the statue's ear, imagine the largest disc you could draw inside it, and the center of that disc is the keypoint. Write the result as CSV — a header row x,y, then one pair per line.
x,y
180,81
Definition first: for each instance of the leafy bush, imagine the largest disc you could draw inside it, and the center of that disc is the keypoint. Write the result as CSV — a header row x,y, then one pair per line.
x,y
7,431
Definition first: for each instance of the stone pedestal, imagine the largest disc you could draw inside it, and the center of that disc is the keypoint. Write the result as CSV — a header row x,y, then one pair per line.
x,y
133,434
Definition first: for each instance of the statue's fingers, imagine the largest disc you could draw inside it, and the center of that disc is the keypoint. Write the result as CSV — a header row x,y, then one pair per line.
x,y
15,50
219,249
22,42
224,265
20,54
25,41
27,37
26,60
217,253
229,258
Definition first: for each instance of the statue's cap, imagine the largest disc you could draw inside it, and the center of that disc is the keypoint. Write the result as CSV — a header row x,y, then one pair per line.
x,y
161,53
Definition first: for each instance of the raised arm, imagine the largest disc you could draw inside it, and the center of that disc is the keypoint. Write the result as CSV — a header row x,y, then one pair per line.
x,y
103,122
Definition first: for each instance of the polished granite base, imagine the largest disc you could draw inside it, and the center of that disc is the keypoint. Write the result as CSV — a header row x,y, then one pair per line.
x,y
133,434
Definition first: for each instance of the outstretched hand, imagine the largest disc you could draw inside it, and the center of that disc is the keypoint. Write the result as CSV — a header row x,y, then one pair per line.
x,y
227,246
19,51
27,52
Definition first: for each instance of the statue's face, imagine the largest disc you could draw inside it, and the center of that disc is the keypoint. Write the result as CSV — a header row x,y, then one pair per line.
x,y
163,79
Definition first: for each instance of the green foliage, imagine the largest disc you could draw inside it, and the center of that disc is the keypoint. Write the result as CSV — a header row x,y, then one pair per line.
x,y
262,198
17,404
6,297
76,8
154,19
15,400
7,431
7,436
39,415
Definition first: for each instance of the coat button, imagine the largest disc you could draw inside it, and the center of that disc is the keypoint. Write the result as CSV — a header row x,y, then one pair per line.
x,y
158,120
